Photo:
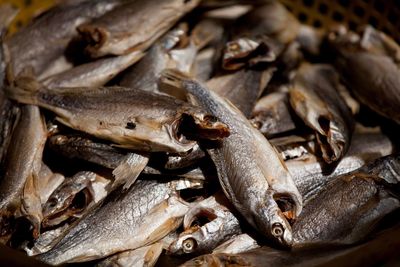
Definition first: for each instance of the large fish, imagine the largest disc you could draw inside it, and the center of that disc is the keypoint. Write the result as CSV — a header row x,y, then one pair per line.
x,y
133,26
142,215
315,98
253,176
131,118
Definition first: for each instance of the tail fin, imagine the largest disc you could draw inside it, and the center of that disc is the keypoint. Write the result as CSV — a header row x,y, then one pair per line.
x,y
23,90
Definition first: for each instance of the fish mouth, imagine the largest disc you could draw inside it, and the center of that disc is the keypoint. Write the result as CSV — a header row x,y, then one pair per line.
x,y
95,37
330,139
191,127
72,206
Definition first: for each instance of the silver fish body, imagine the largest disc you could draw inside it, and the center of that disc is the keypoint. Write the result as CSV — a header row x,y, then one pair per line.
x,y
252,175
142,215
139,119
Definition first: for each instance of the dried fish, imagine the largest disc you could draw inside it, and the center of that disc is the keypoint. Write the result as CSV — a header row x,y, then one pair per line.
x,y
45,40
142,215
23,158
132,26
372,76
139,119
348,207
254,187
260,36
316,100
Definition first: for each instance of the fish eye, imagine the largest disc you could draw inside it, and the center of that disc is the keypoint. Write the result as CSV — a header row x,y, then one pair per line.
x,y
277,230
188,245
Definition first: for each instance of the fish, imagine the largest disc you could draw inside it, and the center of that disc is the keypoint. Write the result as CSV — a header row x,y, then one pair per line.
x,y
310,174
371,75
242,88
75,196
199,239
260,36
136,218
237,244
251,173
46,38
203,66
272,114
139,120
316,101
122,30
92,74
310,39
144,256
47,182
349,206
24,157
295,146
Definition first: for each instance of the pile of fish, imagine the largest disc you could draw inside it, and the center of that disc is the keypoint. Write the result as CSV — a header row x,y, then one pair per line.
x,y
201,133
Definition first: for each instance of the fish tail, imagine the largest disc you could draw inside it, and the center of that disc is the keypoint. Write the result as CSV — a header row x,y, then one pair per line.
x,y
24,90
172,77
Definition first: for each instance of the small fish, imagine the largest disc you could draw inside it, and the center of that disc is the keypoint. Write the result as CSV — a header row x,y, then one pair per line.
x,y
93,74
123,30
24,157
237,244
139,120
242,88
263,193
203,66
372,75
272,114
145,256
138,217
310,174
316,100
198,239
260,36
73,197
349,206
46,38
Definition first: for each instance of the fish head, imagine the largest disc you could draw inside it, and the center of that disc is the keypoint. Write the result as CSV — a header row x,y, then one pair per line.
x,y
272,222
239,51
186,243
